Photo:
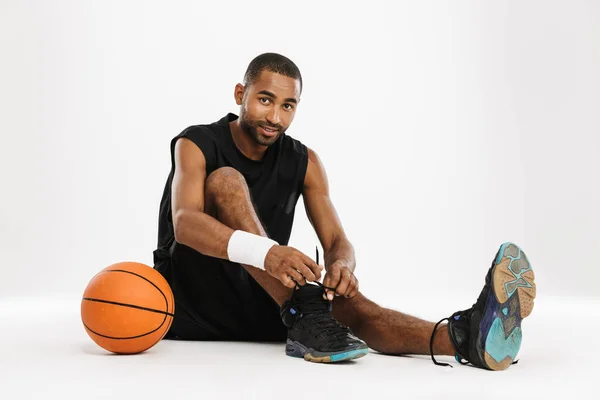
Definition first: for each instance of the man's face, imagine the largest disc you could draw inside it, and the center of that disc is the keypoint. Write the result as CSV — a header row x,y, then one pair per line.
x,y
268,106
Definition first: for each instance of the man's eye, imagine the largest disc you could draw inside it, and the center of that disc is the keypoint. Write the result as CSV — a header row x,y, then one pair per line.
x,y
264,100
288,106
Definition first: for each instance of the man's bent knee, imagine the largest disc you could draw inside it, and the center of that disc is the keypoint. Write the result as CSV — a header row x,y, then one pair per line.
x,y
224,188
225,180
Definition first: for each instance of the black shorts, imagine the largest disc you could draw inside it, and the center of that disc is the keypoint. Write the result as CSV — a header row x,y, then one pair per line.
x,y
217,299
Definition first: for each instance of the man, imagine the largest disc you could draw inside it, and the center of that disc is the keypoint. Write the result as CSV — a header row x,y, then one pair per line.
x,y
225,221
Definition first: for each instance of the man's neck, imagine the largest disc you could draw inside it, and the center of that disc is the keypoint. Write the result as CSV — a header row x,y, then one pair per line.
x,y
245,143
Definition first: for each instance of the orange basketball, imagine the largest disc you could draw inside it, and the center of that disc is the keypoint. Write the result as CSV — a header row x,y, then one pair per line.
x,y
127,308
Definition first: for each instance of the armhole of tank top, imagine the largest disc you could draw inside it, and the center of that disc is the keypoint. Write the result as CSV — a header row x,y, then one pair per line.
x,y
209,154
303,169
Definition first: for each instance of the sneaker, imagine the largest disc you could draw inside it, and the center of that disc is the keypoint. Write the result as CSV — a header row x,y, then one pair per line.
x,y
313,333
488,335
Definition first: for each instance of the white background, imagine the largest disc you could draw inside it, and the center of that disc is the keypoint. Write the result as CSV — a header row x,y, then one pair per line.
x,y
446,128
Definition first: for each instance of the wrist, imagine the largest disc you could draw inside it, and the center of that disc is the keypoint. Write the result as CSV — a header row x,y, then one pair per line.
x,y
249,249
342,263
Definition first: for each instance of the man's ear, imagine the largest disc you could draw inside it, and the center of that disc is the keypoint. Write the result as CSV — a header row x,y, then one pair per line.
x,y
238,93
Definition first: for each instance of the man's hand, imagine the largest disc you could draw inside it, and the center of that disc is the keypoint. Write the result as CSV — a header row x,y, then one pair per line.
x,y
340,277
291,266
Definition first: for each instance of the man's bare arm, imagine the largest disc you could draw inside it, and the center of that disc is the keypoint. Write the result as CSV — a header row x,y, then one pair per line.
x,y
205,234
192,226
339,253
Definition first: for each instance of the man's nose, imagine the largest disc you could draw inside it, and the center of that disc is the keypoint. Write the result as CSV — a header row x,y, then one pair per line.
x,y
273,116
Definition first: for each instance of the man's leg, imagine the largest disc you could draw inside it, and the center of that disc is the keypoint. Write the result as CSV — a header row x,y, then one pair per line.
x,y
227,198
384,330
389,331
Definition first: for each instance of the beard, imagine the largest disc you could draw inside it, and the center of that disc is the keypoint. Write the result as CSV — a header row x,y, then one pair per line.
x,y
251,127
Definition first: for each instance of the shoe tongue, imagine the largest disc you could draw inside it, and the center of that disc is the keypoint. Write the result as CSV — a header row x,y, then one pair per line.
x,y
309,291
309,298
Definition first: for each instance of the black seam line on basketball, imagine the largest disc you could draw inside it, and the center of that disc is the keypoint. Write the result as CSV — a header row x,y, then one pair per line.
x,y
132,337
125,338
144,278
116,303
163,334
166,306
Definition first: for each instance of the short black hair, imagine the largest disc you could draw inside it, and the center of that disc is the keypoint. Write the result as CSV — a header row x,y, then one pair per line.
x,y
272,62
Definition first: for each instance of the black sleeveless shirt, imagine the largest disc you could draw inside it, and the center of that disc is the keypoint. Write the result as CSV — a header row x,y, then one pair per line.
x,y
275,184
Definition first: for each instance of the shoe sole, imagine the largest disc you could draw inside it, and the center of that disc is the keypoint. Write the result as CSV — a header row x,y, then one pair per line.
x,y
297,349
510,300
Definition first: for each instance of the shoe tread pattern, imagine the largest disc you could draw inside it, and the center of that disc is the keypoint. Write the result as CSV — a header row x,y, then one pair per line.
x,y
514,290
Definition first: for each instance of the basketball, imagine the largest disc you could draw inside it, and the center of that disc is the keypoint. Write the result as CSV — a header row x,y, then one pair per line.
x,y
127,308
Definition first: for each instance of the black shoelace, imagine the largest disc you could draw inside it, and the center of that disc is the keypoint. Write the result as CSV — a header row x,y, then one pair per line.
x,y
322,318
459,357
315,316
325,324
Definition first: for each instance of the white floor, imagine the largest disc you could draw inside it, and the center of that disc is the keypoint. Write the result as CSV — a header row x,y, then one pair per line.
x,y
46,354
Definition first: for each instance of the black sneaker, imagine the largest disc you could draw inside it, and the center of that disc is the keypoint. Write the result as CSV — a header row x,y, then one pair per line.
x,y
313,333
488,335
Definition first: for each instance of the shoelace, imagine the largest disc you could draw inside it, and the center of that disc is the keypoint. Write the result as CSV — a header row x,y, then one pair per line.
x,y
317,282
323,319
458,357
326,324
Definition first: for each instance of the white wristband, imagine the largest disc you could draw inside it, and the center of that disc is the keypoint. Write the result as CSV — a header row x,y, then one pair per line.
x,y
248,248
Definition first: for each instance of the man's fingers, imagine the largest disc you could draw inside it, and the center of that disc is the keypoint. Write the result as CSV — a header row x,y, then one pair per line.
x,y
351,287
345,281
313,266
327,280
296,276
334,275
329,294
306,272
354,292
326,283
288,282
